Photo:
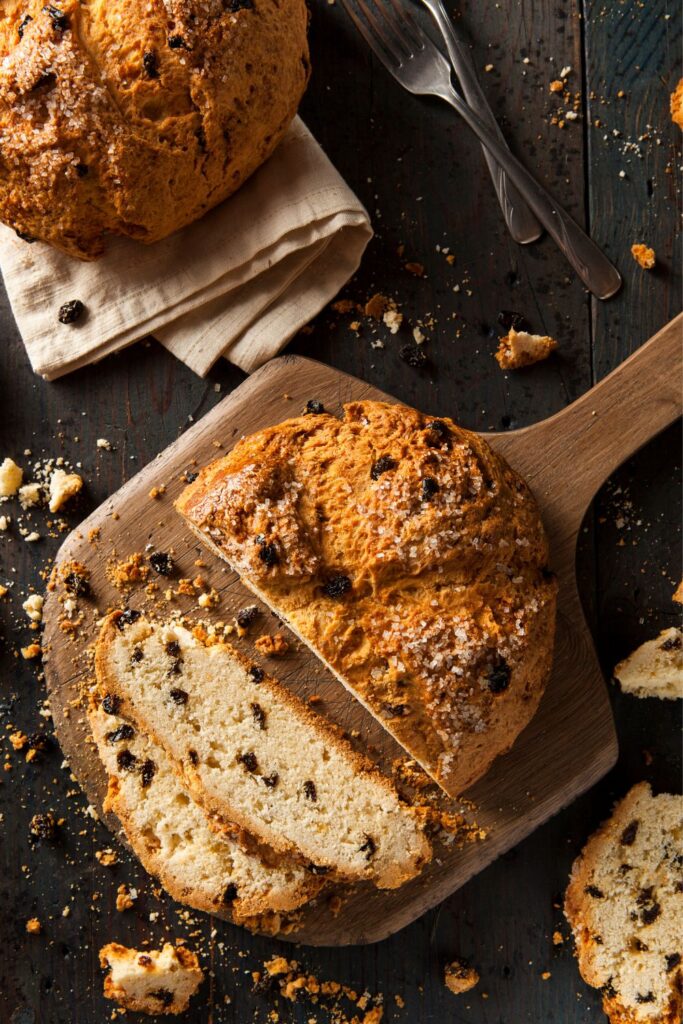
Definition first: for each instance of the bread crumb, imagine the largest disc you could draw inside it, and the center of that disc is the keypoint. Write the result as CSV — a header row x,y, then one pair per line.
x,y
62,487
11,476
156,492
459,977
102,442
33,606
558,938
393,320
556,86
30,495
643,255
125,897
416,269
677,104
272,646
107,858
32,651
678,593
376,305
33,926
519,348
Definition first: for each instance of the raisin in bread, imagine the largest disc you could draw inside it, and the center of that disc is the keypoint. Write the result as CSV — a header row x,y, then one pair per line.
x,y
655,669
154,981
171,835
135,118
625,906
409,557
252,753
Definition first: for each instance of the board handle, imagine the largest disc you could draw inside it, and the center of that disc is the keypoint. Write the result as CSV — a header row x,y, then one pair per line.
x,y
583,444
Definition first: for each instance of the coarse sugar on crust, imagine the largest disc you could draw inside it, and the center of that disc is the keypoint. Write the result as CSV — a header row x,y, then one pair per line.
x,y
409,557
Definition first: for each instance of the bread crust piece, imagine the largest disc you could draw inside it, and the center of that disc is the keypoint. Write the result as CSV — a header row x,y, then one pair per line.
x,y
133,117
175,841
228,731
624,903
409,557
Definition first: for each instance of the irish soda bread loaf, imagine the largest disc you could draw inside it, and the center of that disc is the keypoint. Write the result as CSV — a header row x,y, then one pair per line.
x,y
625,906
171,835
409,557
255,755
153,981
135,117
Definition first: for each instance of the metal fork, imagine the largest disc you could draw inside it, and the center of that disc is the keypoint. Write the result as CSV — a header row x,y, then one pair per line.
x,y
420,67
521,223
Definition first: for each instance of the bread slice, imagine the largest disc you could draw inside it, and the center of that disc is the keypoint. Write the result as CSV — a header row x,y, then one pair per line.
x,y
625,905
655,669
252,753
153,981
173,839
409,557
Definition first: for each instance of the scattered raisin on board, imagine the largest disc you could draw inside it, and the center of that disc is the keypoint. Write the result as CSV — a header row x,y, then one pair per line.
x,y
161,562
314,407
414,356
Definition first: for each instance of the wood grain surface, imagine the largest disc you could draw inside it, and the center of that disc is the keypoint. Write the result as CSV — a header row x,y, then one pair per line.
x,y
570,743
424,182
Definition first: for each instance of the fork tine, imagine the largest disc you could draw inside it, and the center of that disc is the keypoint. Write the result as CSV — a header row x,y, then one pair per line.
x,y
409,26
382,23
372,37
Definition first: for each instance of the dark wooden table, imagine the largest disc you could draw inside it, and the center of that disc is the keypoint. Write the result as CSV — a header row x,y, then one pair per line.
x,y
423,179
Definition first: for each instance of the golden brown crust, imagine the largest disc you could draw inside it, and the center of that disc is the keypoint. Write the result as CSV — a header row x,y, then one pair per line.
x,y
135,118
409,556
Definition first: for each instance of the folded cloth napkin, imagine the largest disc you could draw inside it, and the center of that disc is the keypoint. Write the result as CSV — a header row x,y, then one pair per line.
x,y
239,283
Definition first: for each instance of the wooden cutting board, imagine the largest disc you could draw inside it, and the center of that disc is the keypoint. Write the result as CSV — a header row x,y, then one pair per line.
x,y
571,741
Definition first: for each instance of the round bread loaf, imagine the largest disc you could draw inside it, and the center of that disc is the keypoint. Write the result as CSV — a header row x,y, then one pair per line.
x,y
409,557
135,117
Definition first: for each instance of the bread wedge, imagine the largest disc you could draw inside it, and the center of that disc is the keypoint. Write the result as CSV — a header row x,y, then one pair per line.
x,y
253,754
625,905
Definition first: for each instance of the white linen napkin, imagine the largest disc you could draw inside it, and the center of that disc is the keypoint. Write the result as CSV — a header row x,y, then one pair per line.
x,y
238,283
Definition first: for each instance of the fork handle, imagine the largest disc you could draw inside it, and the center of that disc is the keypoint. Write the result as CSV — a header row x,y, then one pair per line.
x,y
592,266
521,222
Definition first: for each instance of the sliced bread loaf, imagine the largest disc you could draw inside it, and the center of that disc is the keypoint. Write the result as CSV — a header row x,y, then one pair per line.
x,y
172,837
252,753
625,905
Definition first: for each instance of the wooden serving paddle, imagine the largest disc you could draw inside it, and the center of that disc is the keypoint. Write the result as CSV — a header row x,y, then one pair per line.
x,y
571,741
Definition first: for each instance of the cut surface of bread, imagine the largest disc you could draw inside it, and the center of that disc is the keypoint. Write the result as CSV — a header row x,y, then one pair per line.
x,y
173,839
625,906
154,981
409,557
655,669
253,754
